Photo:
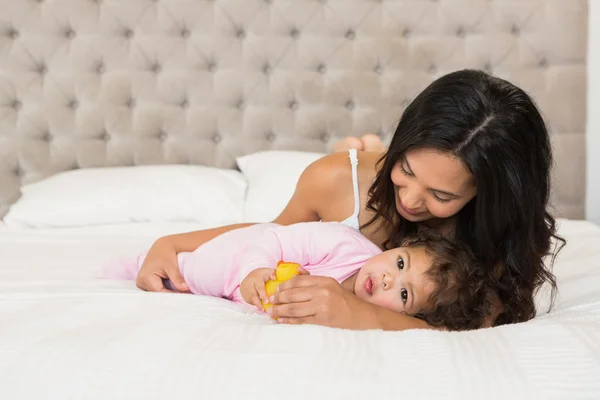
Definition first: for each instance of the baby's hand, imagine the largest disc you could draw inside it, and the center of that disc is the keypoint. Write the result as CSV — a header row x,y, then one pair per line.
x,y
252,287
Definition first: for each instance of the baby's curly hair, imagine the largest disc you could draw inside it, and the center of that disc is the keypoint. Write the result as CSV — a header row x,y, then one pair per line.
x,y
462,299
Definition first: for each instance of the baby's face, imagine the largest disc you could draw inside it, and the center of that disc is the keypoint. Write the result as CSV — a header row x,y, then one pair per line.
x,y
396,279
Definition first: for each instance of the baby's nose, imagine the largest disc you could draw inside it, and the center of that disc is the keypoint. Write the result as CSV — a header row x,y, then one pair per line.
x,y
387,281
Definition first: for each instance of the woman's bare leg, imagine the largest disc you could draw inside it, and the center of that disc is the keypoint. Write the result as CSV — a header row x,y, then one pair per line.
x,y
349,142
372,142
368,142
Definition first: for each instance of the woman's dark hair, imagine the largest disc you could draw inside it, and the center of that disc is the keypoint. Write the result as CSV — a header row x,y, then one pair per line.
x,y
461,298
496,130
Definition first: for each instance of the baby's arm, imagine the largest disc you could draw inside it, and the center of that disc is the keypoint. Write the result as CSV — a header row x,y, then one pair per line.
x,y
308,244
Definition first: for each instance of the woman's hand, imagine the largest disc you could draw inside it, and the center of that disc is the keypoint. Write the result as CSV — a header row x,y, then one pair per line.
x,y
320,300
323,301
161,263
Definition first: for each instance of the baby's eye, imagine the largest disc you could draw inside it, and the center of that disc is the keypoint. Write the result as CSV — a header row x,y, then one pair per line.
x,y
404,295
400,263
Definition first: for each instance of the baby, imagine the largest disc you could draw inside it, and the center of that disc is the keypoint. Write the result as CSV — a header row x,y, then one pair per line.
x,y
429,277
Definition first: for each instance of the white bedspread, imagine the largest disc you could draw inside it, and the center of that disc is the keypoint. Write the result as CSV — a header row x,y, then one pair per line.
x,y
64,334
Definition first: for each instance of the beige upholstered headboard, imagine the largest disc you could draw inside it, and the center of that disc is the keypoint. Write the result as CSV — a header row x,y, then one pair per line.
x,y
88,83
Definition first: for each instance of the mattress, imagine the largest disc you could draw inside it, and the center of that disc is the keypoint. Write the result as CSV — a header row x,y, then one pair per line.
x,y
65,333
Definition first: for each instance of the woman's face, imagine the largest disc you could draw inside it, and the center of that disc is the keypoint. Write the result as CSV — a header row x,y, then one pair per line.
x,y
431,184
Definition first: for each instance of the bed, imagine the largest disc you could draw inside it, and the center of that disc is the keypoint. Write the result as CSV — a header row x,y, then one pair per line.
x,y
124,120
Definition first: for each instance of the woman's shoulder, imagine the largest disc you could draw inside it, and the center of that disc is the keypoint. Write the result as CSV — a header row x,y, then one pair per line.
x,y
369,159
333,172
368,164
326,172
319,187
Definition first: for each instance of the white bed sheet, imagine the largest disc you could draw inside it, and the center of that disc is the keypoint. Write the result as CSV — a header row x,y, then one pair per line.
x,y
65,334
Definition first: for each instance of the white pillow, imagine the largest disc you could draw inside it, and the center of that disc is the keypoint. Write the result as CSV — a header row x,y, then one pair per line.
x,y
272,177
161,193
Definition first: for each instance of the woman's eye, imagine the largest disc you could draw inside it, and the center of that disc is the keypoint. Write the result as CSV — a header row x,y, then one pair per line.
x,y
404,171
400,263
440,199
404,295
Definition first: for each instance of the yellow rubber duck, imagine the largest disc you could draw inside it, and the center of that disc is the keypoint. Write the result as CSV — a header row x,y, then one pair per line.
x,y
284,271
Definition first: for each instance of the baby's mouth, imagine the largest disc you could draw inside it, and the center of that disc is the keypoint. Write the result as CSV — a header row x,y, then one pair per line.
x,y
368,286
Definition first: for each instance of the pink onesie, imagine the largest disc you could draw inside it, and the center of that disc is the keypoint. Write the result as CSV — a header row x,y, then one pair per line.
x,y
217,267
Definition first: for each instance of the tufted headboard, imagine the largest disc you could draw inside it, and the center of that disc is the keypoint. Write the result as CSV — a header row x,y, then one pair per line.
x,y
91,83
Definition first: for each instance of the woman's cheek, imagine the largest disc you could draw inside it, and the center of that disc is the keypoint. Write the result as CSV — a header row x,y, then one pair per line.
x,y
444,210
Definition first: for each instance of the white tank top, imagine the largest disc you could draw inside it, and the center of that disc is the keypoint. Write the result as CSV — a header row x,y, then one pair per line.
x,y
352,221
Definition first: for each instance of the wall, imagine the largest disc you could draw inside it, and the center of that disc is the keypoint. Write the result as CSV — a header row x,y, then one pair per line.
x,y
593,123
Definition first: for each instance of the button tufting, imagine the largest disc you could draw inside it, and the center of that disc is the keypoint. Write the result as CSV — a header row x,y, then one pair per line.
x,y
18,171
266,69
406,32
460,32
240,104
295,33
46,137
155,68
350,34
543,62
378,69
41,69
184,104
216,138
162,136
105,136
73,104
130,103
241,34
100,67
69,33
16,104
324,137
432,69
515,30
487,67
350,105
185,33
211,66
12,33
294,105
271,137
128,33
321,68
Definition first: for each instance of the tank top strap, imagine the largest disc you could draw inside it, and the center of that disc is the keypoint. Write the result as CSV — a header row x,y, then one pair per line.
x,y
353,154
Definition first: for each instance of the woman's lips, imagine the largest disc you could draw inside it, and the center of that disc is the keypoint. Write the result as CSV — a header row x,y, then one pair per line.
x,y
408,210
368,286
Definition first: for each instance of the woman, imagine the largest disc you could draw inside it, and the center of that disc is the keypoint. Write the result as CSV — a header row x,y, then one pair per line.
x,y
470,157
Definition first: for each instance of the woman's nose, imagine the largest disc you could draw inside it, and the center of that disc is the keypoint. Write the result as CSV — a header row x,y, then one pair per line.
x,y
411,200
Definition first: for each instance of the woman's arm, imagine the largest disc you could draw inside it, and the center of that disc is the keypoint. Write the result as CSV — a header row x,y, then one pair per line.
x,y
313,190
320,300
